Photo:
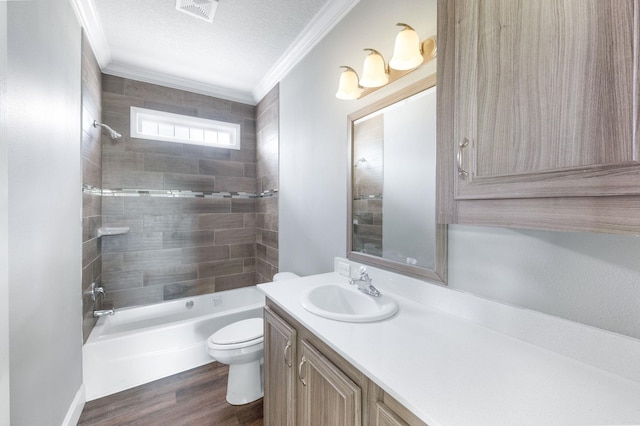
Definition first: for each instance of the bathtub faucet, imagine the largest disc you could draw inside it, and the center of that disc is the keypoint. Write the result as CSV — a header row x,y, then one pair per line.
x,y
101,312
364,283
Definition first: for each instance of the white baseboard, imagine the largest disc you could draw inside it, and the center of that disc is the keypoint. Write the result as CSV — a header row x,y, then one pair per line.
x,y
75,410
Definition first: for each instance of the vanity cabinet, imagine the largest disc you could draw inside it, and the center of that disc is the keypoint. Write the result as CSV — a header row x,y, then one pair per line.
x,y
327,396
537,114
307,383
279,371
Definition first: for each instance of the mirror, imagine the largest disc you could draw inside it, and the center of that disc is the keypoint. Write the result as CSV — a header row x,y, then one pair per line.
x,y
392,191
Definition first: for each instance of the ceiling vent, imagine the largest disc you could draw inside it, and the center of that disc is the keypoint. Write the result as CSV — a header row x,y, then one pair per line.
x,y
203,9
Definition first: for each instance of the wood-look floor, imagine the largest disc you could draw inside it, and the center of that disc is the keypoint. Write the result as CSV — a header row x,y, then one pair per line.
x,y
195,397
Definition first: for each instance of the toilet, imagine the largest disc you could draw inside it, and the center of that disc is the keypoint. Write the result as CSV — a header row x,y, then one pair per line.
x,y
241,346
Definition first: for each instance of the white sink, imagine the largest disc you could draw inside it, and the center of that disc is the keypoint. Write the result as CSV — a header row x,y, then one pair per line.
x,y
339,302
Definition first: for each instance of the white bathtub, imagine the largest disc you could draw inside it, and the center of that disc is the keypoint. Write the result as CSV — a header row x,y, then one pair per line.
x,y
141,344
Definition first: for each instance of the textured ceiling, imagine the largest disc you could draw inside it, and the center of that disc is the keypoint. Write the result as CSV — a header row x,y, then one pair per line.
x,y
153,41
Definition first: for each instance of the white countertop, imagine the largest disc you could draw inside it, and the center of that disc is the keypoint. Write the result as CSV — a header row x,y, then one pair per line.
x,y
451,371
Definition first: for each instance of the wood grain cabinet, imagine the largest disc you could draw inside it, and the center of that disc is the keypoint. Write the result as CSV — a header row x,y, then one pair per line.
x,y
279,371
538,114
327,396
308,384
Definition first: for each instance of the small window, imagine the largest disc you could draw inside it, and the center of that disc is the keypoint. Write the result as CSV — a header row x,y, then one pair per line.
x,y
168,127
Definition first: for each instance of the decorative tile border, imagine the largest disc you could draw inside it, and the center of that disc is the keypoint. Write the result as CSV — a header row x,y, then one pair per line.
x,y
368,197
172,193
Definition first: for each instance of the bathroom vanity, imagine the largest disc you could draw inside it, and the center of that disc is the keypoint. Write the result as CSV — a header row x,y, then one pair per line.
x,y
446,358
306,380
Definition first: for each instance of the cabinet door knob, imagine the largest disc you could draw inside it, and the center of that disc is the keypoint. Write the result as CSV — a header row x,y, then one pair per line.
x,y
287,360
302,362
462,172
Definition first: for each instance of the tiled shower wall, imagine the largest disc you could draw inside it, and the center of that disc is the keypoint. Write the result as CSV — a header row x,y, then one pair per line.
x,y
267,172
176,246
91,179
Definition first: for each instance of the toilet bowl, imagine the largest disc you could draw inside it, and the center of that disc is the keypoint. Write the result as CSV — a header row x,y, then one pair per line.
x,y
241,346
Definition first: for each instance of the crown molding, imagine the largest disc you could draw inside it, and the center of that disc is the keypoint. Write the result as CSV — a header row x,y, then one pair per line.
x,y
327,18
85,11
154,77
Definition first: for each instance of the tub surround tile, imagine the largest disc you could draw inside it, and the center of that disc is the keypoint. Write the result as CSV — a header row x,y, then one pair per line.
x,y
207,205
151,259
217,269
115,281
240,205
235,184
189,182
170,275
235,236
119,161
265,271
137,296
230,282
176,239
242,250
174,109
188,288
133,241
205,254
222,168
205,152
220,221
171,236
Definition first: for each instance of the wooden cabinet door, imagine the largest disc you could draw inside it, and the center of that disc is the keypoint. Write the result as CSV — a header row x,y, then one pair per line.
x,y
385,417
546,98
326,396
279,371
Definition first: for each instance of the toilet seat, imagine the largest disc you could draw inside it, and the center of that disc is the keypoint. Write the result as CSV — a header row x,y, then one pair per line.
x,y
240,334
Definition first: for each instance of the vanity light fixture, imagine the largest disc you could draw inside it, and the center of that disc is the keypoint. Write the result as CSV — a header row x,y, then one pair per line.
x,y
408,54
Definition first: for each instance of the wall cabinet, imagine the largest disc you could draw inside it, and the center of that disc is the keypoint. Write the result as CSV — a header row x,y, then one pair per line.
x,y
307,383
537,114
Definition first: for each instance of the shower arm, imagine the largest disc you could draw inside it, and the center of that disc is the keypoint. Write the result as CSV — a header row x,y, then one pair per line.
x,y
113,133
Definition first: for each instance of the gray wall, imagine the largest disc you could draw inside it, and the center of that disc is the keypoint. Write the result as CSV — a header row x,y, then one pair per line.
x,y
590,278
44,210
4,228
314,129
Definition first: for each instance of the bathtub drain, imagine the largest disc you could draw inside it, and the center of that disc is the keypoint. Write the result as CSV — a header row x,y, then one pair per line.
x,y
189,304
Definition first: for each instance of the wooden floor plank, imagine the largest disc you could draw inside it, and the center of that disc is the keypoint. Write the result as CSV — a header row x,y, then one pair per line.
x,y
194,397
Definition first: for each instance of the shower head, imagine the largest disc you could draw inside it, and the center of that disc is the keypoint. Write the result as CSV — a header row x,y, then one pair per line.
x,y
113,133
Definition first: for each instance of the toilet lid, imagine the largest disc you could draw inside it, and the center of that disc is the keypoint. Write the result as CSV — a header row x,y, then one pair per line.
x,y
238,332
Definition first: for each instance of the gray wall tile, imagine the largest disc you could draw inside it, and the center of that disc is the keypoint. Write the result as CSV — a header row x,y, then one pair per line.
x,y
176,246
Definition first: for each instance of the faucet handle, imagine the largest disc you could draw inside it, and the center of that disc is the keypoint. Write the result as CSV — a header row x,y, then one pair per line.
x,y
362,270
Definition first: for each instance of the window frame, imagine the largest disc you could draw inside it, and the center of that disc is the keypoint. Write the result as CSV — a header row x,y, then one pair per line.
x,y
162,117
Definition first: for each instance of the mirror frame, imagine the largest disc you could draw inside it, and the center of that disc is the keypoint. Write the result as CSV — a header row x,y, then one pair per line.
x,y
439,273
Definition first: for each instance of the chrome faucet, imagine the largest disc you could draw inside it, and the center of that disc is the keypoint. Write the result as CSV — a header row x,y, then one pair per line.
x,y
364,283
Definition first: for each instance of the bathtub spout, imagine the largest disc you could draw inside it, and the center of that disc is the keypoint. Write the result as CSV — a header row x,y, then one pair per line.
x,y
102,312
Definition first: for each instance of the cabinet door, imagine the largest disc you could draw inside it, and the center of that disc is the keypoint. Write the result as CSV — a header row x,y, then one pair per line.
x,y
385,417
279,371
545,98
327,397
